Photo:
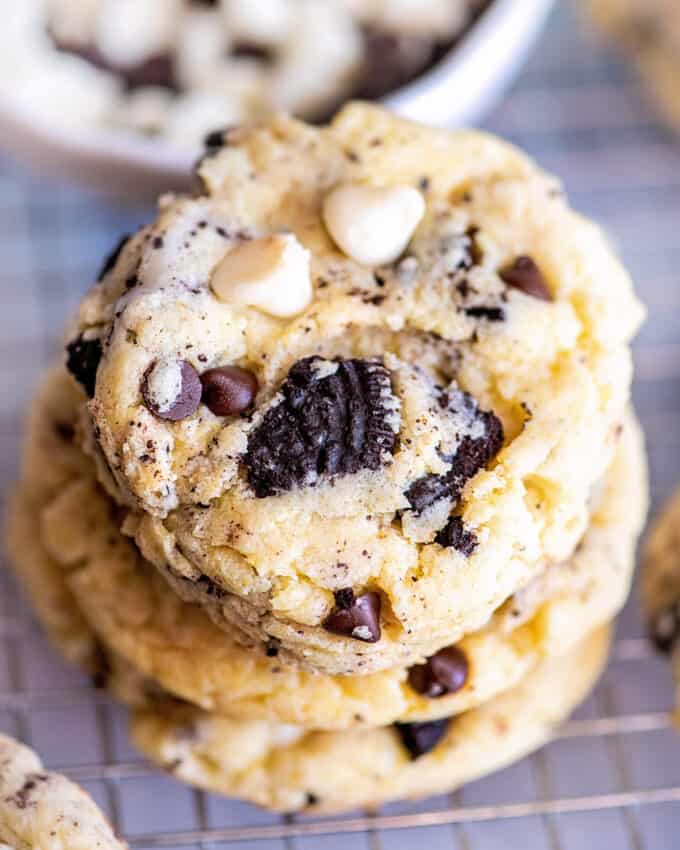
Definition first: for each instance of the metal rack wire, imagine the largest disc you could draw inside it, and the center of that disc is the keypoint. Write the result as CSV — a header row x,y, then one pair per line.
x,y
612,777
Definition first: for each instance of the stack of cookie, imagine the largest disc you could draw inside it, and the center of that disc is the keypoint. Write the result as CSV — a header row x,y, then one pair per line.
x,y
338,485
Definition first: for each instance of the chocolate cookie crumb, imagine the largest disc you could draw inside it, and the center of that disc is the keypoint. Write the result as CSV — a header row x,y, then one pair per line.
x,y
454,535
472,455
82,361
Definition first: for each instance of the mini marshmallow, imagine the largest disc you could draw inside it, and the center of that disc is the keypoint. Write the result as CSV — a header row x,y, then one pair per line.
x,y
271,274
373,224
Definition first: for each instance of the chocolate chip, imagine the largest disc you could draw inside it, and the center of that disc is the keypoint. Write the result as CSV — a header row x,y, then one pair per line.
x,y
446,672
420,738
272,647
82,361
356,617
454,535
491,314
664,628
228,390
112,259
335,418
311,799
188,395
472,454
525,275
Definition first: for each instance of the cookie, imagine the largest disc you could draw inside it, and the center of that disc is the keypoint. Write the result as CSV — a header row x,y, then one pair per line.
x,y
661,578
649,31
72,540
40,810
288,769
440,350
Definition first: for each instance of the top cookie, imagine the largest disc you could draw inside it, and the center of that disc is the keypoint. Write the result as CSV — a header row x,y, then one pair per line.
x,y
361,386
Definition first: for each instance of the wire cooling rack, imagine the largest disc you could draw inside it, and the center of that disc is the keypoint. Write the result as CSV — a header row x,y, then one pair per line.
x,y
612,778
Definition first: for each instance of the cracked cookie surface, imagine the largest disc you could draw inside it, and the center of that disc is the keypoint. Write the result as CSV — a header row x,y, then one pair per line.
x,y
502,330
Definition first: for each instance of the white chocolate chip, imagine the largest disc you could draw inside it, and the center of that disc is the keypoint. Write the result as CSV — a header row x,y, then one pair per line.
x,y
373,224
272,274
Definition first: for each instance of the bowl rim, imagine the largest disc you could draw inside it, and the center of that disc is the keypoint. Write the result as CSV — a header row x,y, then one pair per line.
x,y
159,154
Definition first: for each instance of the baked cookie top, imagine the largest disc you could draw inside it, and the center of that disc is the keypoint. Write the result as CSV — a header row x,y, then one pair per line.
x,y
40,810
69,550
361,386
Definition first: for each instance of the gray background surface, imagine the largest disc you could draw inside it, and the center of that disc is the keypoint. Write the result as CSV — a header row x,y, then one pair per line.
x,y
581,114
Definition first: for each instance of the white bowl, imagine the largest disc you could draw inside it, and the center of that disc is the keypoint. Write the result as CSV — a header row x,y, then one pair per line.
x,y
458,91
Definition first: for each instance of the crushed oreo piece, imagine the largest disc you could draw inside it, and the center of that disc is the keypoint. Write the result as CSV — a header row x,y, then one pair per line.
x,y
664,628
491,314
357,617
333,419
82,361
454,535
228,390
112,259
446,672
472,454
525,275
421,738
173,395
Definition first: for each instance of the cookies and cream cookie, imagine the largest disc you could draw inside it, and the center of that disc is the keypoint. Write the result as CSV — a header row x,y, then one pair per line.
x,y
360,388
69,551
649,31
288,769
41,810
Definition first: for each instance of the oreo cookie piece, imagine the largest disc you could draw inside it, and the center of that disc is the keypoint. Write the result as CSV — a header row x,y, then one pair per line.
x,y
481,443
454,535
421,738
335,418
82,361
